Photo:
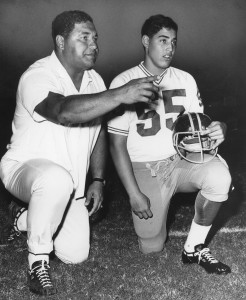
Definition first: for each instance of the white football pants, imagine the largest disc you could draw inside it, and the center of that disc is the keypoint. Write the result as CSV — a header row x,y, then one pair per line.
x,y
48,189
159,181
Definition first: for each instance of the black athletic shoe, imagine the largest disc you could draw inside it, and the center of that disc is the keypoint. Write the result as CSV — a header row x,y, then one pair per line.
x,y
10,234
203,257
40,280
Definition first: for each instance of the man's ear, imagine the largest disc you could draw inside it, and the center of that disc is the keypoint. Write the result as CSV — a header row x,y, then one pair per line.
x,y
60,42
145,41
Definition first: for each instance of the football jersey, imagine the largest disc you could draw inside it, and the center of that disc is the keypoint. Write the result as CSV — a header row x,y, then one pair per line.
x,y
148,127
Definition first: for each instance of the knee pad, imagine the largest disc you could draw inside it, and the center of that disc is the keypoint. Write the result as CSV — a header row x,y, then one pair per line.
x,y
216,182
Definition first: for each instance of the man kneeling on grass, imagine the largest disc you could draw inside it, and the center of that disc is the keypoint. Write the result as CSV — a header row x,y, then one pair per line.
x,y
57,134
141,144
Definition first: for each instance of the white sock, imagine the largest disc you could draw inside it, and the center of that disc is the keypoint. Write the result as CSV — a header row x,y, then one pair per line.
x,y
32,258
197,235
22,221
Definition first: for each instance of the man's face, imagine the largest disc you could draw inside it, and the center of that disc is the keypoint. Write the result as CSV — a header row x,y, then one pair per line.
x,y
160,50
80,47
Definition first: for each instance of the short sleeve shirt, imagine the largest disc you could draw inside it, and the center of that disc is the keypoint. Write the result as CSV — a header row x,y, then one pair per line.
x,y
148,127
36,137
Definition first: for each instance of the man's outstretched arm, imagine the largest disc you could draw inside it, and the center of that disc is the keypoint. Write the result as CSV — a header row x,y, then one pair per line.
x,y
82,108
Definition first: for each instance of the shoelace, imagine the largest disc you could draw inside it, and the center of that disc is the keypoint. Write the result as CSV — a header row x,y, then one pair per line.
x,y
13,233
43,275
207,255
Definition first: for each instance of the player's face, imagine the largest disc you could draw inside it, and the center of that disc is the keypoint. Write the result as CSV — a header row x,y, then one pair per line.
x,y
160,50
80,48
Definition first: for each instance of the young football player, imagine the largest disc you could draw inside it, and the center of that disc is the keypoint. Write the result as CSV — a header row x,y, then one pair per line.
x,y
142,149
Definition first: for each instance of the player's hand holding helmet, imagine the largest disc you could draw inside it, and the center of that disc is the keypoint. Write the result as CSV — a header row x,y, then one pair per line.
x,y
189,138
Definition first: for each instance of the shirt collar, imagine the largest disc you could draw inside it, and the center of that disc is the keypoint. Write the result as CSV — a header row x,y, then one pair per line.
x,y
147,72
57,66
62,72
85,80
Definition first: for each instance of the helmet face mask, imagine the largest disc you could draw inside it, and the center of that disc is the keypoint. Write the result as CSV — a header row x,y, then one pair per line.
x,y
189,140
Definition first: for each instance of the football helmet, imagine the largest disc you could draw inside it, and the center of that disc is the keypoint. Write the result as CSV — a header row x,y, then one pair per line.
x,y
188,139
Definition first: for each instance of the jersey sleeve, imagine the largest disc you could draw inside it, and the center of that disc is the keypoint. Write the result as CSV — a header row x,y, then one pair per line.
x,y
196,104
33,89
119,123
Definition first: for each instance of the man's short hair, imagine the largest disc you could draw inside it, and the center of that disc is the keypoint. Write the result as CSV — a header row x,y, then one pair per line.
x,y
64,23
155,23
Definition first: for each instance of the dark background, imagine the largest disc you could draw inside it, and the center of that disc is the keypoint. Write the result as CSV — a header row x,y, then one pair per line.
x,y
211,46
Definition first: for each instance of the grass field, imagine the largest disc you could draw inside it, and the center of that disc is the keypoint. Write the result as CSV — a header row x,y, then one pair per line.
x,y
117,270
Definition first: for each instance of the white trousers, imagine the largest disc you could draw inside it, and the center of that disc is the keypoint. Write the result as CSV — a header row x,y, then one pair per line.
x,y
48,189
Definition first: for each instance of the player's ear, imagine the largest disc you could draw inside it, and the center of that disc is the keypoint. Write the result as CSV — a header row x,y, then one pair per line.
x,y
60,42
145,41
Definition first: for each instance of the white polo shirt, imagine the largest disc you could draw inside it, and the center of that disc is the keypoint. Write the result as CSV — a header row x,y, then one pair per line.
x,y
36,137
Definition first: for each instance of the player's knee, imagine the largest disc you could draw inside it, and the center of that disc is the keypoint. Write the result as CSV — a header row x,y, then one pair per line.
x,y
152,238
75,255
151,245
217,179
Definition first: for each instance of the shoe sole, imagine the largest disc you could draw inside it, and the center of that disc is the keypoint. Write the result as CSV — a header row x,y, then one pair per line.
x,y
188,262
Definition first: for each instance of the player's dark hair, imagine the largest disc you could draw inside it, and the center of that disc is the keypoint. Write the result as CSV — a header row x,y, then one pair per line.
x,y
64,23
155,23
